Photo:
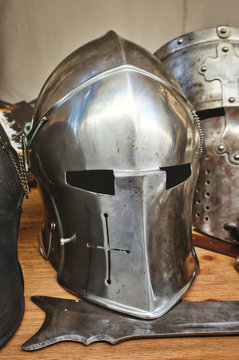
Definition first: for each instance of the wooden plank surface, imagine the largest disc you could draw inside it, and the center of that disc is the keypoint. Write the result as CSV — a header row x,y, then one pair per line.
x,y
217,280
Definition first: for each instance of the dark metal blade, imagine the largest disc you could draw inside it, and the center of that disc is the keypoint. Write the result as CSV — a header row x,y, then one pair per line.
x,y
81,321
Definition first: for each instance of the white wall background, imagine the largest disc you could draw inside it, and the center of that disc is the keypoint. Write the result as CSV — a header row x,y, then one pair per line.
x,y
35,35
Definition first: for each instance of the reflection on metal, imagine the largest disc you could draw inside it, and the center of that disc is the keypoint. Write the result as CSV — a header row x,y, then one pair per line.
x,y
25,153
228,140
64,241
35,130
80,321
223,31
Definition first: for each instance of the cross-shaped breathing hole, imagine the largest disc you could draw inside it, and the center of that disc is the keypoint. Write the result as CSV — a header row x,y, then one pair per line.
x,y
107,249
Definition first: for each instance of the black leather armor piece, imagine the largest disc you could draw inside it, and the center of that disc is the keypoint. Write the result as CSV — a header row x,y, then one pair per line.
x,y
11,279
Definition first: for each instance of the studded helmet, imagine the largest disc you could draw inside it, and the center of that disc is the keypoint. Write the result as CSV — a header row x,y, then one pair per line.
x,y
206,64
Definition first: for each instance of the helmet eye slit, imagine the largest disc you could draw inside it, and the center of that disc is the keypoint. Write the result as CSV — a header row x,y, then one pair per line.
x,y
176,174
98,181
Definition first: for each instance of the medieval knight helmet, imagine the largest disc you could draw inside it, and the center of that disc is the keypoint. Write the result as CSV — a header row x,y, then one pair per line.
x,y
115,149
206,64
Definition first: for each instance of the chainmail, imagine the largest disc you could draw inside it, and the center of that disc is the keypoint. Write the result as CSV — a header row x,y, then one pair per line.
x,y
19,167
198,124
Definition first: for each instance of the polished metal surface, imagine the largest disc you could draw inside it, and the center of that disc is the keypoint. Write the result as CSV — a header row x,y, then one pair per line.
x,y
93,59
206,65
122,238
80,321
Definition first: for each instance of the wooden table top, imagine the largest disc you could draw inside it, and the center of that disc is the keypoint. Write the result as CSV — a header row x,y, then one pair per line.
x,y
217,280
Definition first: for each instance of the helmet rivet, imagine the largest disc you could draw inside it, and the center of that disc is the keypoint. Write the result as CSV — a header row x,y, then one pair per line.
x,y
203,68
220,147
225,49
236,157
231,99
223,30
180,41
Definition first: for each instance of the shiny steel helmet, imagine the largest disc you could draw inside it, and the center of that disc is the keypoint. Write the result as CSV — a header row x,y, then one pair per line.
x,y
206,64
115,150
